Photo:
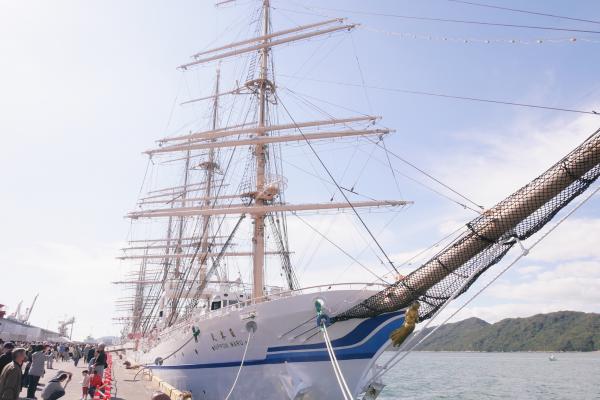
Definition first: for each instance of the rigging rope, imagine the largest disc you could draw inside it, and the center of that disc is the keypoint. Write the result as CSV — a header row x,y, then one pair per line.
x,y
448,96
337,185
340,249
433,178
450,20
301,96
471,3
241,365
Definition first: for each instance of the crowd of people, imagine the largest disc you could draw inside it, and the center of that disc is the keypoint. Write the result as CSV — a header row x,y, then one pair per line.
x,y
23,364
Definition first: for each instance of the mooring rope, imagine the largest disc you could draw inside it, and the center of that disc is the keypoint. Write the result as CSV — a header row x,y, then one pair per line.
x,y
241,365
336,366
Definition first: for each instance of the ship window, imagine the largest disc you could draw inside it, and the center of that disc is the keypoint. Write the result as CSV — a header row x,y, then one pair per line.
x,y
215,305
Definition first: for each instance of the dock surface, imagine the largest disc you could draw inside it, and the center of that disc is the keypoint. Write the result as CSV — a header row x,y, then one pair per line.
x,y
123,385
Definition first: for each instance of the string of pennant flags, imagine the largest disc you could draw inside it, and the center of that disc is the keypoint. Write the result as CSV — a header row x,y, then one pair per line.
x,y
415,36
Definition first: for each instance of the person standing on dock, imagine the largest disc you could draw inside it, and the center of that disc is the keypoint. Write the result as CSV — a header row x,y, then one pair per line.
x,y
100,362
10,378
96,384
85,384
76,355
6,356
90,353
36,370
50,357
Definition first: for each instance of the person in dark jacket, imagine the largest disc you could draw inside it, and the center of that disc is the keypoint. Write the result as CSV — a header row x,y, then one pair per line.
x,y
10,378
6,357
90,354
100,363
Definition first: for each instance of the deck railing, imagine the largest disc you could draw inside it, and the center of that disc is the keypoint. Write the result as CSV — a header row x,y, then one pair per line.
x,y
269,298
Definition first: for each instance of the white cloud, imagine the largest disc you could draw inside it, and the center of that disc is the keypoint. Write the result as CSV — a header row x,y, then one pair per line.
x,y
529,270
575,239
491,165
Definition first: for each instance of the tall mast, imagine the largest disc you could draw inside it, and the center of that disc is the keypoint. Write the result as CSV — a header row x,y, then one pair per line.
x,y
186,178
210,167
258,238
138,301
167,262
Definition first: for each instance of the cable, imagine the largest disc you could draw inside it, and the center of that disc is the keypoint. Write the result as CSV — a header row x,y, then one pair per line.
x,y
337,185
458,21
299,95
427,175
436,94
241,365
336,366
341,249
524,11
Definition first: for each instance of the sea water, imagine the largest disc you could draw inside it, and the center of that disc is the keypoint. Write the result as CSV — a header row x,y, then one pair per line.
x,y
475,376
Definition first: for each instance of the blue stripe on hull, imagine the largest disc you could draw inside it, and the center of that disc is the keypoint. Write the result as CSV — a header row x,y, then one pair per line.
x,y
364,351
361,331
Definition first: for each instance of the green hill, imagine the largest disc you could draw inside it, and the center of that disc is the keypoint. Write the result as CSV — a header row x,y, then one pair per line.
x,y
558,331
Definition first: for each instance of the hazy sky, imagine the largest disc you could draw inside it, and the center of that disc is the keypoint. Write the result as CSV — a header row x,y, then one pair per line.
x,y
86,86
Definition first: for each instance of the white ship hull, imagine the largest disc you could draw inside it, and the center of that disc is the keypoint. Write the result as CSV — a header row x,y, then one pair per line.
x,y
286,358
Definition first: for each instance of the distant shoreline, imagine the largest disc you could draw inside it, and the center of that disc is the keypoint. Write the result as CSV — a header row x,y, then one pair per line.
x,y
557,332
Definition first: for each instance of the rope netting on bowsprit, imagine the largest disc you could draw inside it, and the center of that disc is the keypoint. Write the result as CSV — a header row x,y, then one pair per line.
x,y
488,237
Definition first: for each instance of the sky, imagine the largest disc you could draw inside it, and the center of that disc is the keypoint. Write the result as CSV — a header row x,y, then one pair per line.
x,y
85,87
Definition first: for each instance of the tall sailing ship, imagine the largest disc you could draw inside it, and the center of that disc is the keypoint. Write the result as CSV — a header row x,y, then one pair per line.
x,y
203,328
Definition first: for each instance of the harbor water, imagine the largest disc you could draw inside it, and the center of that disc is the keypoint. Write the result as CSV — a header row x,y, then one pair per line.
x,y
476,376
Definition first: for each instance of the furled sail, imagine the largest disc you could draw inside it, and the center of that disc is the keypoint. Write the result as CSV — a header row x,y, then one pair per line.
x,y
489,237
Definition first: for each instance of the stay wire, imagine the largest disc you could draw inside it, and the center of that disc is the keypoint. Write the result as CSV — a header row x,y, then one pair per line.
x,y
340,249
457,21
472,3
443,95
337,185
301,97
433,178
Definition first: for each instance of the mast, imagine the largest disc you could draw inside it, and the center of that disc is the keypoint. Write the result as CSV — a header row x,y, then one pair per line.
x,y
173,202
210,166
258,238
138,300
181,220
